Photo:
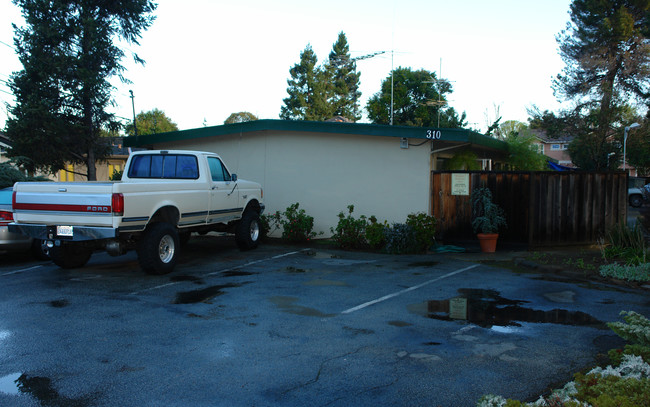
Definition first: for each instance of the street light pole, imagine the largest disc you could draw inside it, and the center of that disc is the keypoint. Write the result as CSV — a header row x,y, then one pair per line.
x,y
135,127
628,128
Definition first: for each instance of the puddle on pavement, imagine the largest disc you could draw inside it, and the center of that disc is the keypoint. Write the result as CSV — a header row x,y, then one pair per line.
x,y
59,303
486,308
399,324
358,331
9,383
288,304
203,295
40,388
236,273
424,264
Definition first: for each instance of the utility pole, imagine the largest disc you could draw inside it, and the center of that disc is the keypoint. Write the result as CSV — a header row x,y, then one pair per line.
x,y
135,127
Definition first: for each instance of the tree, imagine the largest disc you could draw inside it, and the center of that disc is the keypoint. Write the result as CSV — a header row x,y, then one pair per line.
x,y
240,117
418,100
68,54
341,73
308,90
607,56
522,151
151,122
510,127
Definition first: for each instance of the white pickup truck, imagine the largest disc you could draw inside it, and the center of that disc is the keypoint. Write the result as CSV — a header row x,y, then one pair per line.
x,y
162,198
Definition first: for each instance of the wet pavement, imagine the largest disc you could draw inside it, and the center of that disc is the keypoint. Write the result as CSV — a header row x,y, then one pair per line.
x,y
296,326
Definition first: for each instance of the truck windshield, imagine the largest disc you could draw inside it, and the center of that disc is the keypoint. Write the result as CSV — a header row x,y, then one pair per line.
x,y
177,166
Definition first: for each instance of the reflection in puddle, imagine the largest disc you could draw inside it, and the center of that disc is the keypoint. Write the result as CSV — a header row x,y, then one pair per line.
x,y
486,308
9,383
40,388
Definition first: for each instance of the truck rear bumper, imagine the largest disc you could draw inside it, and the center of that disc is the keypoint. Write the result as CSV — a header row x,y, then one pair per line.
x,y
79,233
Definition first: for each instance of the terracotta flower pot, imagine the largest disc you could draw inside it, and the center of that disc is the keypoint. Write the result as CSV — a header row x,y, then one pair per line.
x,y
488,242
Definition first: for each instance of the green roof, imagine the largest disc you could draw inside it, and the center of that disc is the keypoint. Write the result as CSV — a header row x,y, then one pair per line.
x,y
380,130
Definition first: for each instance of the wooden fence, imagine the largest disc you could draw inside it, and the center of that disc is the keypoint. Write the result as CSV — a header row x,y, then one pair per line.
x,y
542,208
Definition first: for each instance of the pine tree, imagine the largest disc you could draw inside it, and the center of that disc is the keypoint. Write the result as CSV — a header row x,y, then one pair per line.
x,y
342,73
68,54
308,90
607,55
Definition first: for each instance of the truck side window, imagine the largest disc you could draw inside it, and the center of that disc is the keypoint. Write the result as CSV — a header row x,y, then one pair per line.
x,y
187,167
217,170
140,166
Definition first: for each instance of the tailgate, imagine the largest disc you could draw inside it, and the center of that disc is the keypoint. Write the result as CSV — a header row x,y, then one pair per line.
x,y
64,203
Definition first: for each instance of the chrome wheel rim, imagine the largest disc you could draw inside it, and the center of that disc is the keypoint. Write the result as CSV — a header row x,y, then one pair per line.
x,y
254,231
166,249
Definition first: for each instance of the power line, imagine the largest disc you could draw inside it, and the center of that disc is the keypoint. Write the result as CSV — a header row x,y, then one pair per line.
x,y
10,46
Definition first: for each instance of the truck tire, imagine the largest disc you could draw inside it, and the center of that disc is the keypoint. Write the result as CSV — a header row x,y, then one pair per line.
x,y
39,250
158,249
70,256
247,233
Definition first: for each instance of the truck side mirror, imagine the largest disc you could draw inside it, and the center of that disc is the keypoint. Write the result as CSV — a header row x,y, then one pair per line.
x,y
234,177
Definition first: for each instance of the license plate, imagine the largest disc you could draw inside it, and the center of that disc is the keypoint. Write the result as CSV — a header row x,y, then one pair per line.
x,y
64,231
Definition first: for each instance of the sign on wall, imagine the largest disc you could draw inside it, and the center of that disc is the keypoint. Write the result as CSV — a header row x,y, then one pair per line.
x,y
460,184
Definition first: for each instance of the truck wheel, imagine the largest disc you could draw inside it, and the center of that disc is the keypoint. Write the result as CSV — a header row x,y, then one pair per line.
x,y
158,249
70,256
636,201
247,233
39,250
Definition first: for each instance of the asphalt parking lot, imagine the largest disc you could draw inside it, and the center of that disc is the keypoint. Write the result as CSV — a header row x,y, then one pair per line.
x,y
295,326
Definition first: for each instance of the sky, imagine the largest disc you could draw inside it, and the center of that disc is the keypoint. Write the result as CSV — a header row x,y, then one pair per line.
x,y
207,59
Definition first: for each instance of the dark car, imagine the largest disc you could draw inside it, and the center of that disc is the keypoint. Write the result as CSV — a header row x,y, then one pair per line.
x,y
12,242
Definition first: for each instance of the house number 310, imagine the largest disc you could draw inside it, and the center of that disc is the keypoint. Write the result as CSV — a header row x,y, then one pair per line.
x,y
434,134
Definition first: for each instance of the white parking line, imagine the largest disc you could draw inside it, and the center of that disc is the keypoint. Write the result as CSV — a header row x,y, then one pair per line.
x,y
389,296
20,271
279,256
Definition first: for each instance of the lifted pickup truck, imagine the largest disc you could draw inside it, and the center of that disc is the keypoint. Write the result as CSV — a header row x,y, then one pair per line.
x,y
162,198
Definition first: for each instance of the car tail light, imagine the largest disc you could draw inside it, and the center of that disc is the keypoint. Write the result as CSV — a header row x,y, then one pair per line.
x,y
117,202
6,218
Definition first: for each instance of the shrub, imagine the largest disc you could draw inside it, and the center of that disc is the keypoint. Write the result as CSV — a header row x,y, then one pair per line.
x,y
424,227
626,243
626,272
376,233
616,355
635,329
350,233
487,215
116,175
297,226
400,239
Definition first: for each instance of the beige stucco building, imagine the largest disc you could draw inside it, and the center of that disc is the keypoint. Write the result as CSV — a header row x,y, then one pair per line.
x,y
325,166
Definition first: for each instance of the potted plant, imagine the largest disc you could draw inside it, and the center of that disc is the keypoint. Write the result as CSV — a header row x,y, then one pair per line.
x,y
488,216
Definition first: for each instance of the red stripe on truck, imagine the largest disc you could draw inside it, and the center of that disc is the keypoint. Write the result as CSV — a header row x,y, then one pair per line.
x,y
62,207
